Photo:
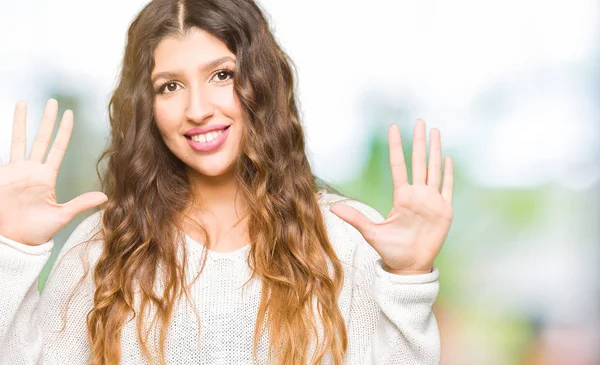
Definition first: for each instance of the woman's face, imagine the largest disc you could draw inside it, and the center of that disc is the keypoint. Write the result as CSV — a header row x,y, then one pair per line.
x,y
193,84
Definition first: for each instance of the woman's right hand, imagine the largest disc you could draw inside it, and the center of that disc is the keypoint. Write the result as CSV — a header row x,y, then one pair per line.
x,y
29,213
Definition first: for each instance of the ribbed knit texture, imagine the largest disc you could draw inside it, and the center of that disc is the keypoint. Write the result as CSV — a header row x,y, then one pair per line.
x,y
388,316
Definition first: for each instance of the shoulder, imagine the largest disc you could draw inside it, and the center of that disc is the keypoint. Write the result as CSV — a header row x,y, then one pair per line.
x,y
89,228
85,242
328,199
68,294
346,240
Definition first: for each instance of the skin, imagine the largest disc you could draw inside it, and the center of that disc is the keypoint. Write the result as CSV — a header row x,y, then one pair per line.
x,y
28,185
195,89
413,233
408,240
199,92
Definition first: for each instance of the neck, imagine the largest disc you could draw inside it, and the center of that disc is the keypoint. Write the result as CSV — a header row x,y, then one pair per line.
x,y
220,209
216,194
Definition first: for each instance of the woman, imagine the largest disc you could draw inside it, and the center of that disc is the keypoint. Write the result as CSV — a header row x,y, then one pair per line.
x,y
215,243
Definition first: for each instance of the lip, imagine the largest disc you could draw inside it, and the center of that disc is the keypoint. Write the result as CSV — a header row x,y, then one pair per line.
x,y
208,128
209,146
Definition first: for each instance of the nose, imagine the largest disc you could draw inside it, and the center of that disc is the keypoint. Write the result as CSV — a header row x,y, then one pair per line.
x,y
199,106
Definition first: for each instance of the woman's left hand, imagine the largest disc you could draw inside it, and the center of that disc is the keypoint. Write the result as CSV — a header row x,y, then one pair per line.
x,y
411,237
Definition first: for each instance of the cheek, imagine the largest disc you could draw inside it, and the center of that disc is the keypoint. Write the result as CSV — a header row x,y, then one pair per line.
x,y
238,114
238,106
229,103
163,116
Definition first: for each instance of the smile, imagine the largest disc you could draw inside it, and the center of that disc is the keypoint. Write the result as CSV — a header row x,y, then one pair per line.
x,y
208,141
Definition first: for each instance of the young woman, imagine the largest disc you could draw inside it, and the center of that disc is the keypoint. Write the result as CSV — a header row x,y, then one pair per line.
x,y
215,243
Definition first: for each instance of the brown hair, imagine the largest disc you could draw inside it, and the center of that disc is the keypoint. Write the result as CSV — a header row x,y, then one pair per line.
x,y
148,191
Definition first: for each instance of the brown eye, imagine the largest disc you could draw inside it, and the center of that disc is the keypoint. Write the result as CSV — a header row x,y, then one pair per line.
x,y
223,76
167,87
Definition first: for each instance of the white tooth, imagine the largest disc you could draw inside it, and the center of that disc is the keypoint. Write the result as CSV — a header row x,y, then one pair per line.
x,y
198,138
207,137
212,135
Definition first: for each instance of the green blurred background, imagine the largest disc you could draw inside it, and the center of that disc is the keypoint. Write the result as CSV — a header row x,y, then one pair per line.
x,y
513,85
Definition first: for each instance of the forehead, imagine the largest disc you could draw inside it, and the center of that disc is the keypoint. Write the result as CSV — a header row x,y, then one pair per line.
x,y
196,47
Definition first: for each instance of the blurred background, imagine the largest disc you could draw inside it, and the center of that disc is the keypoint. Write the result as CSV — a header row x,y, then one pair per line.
x,y
514,86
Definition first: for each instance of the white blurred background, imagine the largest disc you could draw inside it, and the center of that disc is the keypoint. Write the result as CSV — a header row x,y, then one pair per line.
x,y
513,85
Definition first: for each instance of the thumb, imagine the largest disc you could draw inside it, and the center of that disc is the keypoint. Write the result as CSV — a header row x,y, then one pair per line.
x,y
356,219
83,202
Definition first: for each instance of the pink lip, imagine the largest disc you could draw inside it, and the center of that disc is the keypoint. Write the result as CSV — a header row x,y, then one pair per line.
x,y
208,128
209,146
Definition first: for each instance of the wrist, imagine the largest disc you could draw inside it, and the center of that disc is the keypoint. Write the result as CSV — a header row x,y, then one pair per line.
x,y
407,271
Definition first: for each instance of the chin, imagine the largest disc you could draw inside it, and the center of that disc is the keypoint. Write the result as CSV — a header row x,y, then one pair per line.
x,y
214,171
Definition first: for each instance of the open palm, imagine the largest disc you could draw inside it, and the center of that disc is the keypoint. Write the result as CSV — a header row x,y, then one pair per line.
x,y
413,233
29,212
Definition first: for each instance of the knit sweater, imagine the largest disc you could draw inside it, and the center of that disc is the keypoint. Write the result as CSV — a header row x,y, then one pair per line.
x,y
388,317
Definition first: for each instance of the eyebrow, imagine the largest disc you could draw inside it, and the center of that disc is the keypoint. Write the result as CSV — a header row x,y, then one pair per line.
x,y
207,66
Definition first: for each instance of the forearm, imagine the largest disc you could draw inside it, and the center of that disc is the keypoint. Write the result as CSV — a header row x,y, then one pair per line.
x,y
20,266
406,332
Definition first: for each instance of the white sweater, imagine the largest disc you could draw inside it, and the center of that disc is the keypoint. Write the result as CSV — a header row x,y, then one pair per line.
x,y
388,317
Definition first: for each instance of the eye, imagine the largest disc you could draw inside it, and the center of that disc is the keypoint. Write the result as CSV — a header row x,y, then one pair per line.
x,y
167,88
222,76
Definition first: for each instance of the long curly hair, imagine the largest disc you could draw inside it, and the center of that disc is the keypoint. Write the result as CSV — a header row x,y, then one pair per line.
x,y
149,190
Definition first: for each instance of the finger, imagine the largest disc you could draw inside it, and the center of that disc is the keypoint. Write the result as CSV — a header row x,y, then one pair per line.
x,y
82,203
356,219
61,142
448,187
19,137
397,162
434,166
419,156
44,134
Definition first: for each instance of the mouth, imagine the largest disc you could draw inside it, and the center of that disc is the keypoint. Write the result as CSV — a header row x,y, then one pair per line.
x,y
210,141
189,137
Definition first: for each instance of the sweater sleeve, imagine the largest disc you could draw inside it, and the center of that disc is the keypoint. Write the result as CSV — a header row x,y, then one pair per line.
x,y
49,328
391,321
